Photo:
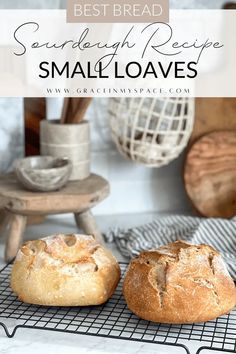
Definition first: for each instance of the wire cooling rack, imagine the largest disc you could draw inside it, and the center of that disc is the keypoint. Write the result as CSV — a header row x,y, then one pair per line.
x,y
113,320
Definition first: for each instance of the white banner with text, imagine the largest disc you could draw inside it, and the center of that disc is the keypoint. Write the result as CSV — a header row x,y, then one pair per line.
x,y
192,55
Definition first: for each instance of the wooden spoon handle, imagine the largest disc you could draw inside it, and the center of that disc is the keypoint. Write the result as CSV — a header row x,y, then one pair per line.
x,y
65,110
79,108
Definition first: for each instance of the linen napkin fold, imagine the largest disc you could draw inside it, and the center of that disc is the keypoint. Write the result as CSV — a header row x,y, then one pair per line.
x,y
219,233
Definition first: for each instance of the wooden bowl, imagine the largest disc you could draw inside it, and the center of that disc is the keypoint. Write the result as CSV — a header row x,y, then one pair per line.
x,y
43,173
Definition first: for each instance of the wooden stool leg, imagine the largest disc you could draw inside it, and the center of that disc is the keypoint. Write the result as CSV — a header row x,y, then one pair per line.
x,y
87,223
4,220
15,233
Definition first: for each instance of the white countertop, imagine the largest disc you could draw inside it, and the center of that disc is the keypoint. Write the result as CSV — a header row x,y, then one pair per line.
x,y
36,341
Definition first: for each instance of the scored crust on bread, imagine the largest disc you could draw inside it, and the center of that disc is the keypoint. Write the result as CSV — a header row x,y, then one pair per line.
x,y
179,283
64,270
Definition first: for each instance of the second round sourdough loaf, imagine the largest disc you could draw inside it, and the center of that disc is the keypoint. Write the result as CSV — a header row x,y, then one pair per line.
x,y
179,283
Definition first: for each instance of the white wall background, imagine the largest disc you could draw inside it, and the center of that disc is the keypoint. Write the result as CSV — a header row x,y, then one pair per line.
x,y
134,188
11,131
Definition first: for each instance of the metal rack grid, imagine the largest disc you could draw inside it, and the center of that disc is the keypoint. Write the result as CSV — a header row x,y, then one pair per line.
x,y
113,320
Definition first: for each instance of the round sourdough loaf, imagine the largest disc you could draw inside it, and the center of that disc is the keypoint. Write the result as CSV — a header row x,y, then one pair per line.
x,y
179,283
64,270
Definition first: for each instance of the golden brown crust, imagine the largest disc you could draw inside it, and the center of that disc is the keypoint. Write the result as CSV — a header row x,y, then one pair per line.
x,y
179,283
64,270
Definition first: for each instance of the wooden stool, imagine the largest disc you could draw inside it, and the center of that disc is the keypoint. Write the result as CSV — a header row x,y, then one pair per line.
x,y
77,197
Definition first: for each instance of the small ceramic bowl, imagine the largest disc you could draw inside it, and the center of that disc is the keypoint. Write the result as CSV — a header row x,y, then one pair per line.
x,y
43,173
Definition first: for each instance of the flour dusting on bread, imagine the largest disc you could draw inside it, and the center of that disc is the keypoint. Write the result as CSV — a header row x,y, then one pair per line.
x,y
179,283
64,270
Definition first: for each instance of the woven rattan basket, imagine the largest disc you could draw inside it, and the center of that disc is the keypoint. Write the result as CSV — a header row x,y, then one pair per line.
x,y
151,131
